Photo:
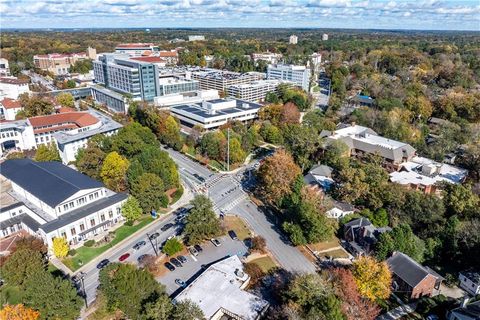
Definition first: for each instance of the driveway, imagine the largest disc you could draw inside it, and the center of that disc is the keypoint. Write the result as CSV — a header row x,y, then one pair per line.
x,y
194,265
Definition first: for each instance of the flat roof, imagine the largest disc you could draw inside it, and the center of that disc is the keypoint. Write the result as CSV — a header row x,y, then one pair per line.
x,y
219,288
197,109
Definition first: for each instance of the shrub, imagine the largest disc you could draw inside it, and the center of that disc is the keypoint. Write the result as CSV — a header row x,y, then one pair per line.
x,y
89,243
259,244
172,246
255,273
72,252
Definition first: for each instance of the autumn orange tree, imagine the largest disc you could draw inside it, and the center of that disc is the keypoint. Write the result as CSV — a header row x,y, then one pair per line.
x,y
18,312
277,173
354,306
373,278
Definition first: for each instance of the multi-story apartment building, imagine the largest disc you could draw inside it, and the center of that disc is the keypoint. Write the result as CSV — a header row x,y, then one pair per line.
x,y
171,85
128,76
136,49
58,63
300,75
271,58
4,67
53,200
254,91
293,39
220,80
11,87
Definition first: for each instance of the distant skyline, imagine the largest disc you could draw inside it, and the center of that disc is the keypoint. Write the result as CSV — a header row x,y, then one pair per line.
x,y
354,14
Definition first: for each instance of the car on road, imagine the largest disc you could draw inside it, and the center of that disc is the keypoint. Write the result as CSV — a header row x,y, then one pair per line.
x,y
200,178
175,262
139,244
182,259
215,242
154,236
180,283
169,266
124,257
166,227
232,235
198,248
193,251
102,264
141,258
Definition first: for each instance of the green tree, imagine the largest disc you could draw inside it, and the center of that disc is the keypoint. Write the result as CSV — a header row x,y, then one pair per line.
x,y
187,310
47,152
132,139
70,84
149,190
402,239
21,265
161,309
460,200
82,66
202,222
172,246
131,209
89,160
129,289
65,99
113,172
169,132
337,155
35,106
53,297
237,155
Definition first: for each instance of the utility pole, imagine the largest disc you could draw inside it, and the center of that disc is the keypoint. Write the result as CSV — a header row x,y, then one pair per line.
x,y
228,149
82,277
154,249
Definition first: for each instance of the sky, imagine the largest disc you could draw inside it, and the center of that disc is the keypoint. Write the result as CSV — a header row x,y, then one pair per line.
x,y
357,14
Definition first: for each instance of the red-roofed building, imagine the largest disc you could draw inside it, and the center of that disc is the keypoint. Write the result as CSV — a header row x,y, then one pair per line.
x,y
9,108
152,59
12,87
170,56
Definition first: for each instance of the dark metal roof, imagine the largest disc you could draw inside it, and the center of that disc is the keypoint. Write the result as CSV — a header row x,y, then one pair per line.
x,y
470,311
12,206
82,212
51,182
407,269
21,218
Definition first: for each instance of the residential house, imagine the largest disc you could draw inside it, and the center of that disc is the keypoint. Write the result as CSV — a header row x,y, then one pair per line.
x,y
361,236
470,282
320,176
467,311
9,108
411,278
340,209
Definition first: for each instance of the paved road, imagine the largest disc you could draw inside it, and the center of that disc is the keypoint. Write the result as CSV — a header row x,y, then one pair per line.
x,y
323,96
36,78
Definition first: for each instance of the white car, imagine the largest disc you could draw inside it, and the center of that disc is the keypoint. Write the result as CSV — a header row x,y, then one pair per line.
x,y
215,242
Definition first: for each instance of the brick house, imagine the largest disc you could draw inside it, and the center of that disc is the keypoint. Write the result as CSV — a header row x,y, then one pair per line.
x,y
412,278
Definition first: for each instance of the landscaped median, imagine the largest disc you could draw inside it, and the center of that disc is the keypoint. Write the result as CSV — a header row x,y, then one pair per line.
x,y
85,254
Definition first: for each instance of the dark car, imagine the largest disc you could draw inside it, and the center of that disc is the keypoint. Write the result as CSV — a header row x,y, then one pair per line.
x,y
141,258
102,264
176,262
198,248
124,257
139,244
182,259
169,266
154,236
166,227
232,235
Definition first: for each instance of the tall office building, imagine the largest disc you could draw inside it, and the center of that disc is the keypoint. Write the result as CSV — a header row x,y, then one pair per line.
x,y
299,75
293,39
324,37
220,80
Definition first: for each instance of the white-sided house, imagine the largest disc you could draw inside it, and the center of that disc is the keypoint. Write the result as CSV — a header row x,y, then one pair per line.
x,y
16,217
73,205
9,108
470,282
16,135
340,210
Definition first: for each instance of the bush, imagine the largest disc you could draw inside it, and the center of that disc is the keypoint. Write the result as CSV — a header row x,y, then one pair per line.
x,y
172,246
72,252
259,244
255,273
89,243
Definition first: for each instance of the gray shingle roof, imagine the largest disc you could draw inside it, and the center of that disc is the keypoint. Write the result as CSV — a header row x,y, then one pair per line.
x,y
51,182
21,218
82,212
322,170
407,269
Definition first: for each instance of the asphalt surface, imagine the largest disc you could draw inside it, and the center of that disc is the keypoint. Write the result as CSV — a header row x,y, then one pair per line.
x,y
36,78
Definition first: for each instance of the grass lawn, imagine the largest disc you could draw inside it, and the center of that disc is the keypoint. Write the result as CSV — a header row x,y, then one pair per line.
x,y
265,263
320,246
85,254
339,253
238,225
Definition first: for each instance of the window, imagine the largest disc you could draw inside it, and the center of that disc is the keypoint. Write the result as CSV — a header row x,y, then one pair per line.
x,y
82,227
73,231
71,204
90,197
63,234
118,211
96,195
102,217
65,207
92,222
110,214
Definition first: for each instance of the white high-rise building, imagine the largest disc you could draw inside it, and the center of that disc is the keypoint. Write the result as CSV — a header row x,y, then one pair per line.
x,y
299,75
4,67
324,37
293,39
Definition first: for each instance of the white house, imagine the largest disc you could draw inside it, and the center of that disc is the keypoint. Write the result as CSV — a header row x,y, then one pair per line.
x,y
340,210
12,87
9,108
470,282
63,202
16,135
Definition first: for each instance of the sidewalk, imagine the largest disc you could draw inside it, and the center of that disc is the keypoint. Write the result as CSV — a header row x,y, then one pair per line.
x,y
184,199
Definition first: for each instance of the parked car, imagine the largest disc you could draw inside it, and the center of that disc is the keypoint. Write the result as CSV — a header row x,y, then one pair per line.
x,y
215,242
232,235
102,264
182,259
193,251
180,282
175,262
154,236
169,266
124,257
140,259
139,244
166,227
198,248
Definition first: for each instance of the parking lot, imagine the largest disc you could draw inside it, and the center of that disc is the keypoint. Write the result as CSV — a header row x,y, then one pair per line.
x,y
194,265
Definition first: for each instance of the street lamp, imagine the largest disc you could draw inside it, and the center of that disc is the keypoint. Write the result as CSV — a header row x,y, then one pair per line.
x,y
82,278
150,240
